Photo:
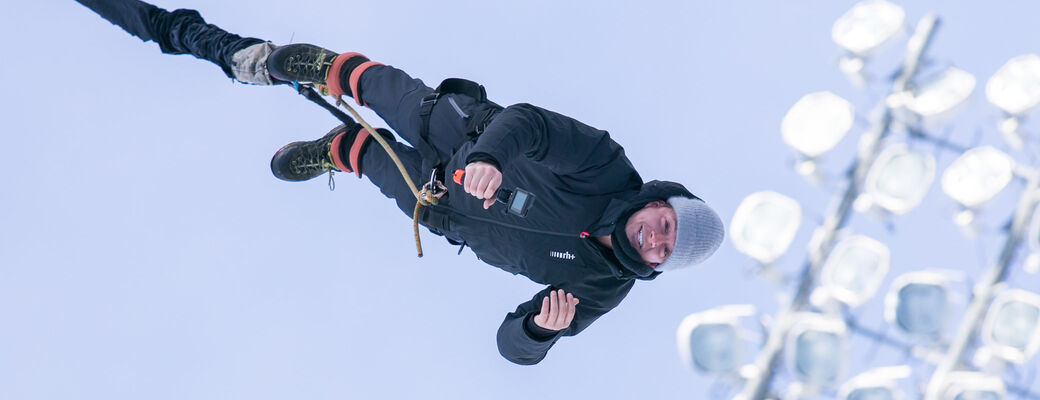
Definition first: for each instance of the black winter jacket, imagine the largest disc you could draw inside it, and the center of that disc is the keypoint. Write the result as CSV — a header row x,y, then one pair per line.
x,y
583,183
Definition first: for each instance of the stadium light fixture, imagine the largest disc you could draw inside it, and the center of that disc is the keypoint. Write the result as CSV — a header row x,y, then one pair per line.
x,y
899,179
875,384
816,123
817,343
977,176
765,224
710,341
1011,329
861,30
918,304
1015,87
867,26
940,95
971,385
855,269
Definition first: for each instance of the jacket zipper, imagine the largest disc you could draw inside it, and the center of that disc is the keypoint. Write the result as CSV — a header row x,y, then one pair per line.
x,y
617,272
581,235
613,268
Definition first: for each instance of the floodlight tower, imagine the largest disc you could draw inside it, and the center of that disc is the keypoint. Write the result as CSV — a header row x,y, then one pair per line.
x,y
766,363
985,289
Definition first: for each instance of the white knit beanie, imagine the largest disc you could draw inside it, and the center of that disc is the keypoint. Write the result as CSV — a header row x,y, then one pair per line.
x,y
699,232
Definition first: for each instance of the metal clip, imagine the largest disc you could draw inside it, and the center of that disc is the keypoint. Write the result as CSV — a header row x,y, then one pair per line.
x,y
433,189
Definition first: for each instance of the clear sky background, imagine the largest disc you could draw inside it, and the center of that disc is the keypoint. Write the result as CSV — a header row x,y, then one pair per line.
x,y
146,252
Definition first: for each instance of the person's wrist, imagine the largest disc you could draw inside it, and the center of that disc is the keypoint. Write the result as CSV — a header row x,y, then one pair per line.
x,y
535,331
485,157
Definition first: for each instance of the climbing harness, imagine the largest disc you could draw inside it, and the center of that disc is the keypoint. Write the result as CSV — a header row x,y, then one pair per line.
x,y
429,194
432,191
476,125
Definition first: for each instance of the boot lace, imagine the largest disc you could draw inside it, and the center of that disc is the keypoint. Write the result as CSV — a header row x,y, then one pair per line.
x,y
314,158
309,64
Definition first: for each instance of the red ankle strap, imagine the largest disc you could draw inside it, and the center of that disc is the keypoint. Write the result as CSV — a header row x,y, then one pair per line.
x,y
355,150
334,150
332,81
355,78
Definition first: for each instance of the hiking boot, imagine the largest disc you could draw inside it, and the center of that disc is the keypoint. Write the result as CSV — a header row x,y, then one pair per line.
x,y
300,161
303,63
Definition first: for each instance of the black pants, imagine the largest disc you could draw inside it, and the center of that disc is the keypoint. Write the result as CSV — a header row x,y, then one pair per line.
x,y
390,92
177,32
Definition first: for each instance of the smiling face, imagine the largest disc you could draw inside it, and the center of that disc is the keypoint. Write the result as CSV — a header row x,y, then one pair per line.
x,y
651,231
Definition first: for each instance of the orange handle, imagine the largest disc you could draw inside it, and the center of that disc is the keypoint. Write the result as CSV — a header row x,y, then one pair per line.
x,y
458,176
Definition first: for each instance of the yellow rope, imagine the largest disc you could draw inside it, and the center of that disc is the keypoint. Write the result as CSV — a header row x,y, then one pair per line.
x,y
421,199
415,227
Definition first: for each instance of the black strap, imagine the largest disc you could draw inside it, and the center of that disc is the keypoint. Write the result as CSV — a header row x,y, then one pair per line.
x,y
431,159
436,220
429,154
313,96
480,120
477,123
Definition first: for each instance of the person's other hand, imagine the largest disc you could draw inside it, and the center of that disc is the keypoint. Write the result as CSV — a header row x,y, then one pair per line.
x,y
482,181
557,310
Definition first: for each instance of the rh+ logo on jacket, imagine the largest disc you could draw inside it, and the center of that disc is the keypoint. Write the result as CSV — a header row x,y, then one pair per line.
x,y
564,255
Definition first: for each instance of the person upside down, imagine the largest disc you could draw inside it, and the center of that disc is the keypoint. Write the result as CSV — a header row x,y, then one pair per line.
x,y
595,230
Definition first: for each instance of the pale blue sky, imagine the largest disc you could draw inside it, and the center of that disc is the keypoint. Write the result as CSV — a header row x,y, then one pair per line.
x,y
146,252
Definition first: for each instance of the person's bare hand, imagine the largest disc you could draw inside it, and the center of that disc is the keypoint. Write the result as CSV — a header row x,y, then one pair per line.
x,y
482,181
557,310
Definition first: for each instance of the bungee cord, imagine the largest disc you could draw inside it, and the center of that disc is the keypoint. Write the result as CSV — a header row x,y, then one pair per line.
x,y
430,192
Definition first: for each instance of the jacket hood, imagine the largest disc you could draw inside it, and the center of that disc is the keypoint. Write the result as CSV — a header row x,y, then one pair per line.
x,y
618,213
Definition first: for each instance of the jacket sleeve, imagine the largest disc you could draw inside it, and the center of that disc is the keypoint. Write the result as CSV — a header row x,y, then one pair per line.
x,y
518,344
563,144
